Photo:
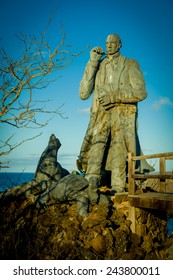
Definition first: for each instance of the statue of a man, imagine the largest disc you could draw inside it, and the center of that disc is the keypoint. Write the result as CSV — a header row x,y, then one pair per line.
x,y
118,86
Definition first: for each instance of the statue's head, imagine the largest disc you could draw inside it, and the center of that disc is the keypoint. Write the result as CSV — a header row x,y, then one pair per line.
x,y
113,43
53,141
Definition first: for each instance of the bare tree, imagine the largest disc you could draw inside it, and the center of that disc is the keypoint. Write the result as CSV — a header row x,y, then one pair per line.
x,y
21,78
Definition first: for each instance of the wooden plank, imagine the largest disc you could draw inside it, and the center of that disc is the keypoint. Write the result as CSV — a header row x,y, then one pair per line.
x,y
166,155
152,200
152,176
132,218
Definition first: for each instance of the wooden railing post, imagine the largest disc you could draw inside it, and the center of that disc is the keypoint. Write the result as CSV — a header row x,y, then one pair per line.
x,y
131,190
162,172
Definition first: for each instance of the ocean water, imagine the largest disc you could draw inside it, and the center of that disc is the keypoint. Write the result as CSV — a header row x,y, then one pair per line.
x,y
10,179
170,226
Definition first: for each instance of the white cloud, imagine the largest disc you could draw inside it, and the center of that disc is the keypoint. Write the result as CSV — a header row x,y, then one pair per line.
x,y
162,101
85,111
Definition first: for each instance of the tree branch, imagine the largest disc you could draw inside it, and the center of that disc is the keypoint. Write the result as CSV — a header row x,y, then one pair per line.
x,y
21,78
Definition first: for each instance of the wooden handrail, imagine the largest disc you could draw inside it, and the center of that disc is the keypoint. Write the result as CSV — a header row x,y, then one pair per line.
x,y
152,176
153,200
162,175
164,155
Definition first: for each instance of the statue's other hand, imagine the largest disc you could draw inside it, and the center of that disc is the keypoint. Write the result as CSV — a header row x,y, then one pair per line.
x,y
96,53
104,100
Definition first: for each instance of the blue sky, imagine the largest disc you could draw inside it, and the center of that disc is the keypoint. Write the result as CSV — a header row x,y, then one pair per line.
x,y
145,28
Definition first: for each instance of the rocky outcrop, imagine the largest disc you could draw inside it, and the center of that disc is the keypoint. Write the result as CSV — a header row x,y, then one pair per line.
x,y
58,232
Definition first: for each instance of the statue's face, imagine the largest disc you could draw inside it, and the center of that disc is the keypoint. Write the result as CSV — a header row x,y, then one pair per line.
x,y
112,44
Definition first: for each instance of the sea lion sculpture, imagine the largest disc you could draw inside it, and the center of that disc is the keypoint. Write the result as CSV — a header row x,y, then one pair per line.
x,y
48,169
61,186
53,182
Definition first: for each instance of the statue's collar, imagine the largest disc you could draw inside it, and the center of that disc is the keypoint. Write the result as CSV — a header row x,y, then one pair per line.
x,y
114,57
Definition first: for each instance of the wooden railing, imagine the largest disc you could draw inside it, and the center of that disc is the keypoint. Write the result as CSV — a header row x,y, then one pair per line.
x,y
162,175
161,200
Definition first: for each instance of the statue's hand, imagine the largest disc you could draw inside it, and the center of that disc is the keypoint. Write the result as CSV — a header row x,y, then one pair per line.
x,y
104,98
96,53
